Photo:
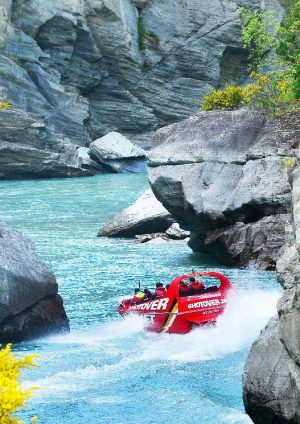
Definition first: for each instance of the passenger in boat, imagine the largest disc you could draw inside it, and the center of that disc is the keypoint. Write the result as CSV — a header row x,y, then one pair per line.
x,y
196,285
148,295
138,295
160,290
184,289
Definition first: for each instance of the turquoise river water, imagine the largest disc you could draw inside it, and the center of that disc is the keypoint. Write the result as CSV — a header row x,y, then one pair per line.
x,y
107,370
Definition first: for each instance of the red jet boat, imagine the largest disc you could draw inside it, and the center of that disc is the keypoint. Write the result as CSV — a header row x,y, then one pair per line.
x,y
179,312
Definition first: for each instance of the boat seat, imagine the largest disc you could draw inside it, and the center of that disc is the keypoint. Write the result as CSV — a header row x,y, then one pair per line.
x,y
211,289
207,290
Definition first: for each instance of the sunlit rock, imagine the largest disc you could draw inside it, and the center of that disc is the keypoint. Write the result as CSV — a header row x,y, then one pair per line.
x,y
118,154
146,215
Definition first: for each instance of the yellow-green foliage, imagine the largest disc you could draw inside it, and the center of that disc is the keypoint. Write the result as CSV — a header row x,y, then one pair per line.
x,y
5,105
287,164
230,97
234,96
12,395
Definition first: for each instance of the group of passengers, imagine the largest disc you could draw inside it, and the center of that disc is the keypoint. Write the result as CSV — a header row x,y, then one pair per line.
x,y
185,289
191,288
146,294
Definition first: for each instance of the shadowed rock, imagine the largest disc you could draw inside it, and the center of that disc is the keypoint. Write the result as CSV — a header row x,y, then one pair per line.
x,y
29,305
268,380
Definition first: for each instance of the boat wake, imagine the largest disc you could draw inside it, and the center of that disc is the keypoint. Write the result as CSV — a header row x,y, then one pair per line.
x,y
247,313
117,359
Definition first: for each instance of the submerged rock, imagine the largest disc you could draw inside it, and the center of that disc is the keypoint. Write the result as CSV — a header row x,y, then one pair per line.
x,y
177,233
29,304
145,215
118,154
174,232
147,238
222,175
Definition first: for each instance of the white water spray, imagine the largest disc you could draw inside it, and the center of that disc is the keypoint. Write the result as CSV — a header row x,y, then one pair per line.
x,y
247,313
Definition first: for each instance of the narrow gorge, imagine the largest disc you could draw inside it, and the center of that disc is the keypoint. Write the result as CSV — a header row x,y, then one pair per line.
x,y
109,92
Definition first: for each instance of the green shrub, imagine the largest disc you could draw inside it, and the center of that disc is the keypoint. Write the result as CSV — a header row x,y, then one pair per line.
x,y
278,89
256,36
230,97
234,96
72,90
141,33
152,36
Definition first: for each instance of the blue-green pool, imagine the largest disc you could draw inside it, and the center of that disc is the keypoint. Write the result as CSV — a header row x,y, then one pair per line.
x,y
107,370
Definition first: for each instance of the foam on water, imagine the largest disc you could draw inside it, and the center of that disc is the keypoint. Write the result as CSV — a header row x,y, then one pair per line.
x,y
248,311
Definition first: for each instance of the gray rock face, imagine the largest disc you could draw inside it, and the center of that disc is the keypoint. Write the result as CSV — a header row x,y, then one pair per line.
x,y
25,282
145,215
268,378
260,244
77,66
47,316
40,132
222,175
272,373
118,154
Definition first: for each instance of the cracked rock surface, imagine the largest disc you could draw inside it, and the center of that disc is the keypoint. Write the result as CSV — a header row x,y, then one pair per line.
x,y
75,70
271,383
223,176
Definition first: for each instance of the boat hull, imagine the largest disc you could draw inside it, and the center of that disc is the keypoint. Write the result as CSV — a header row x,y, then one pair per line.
x,y
177,314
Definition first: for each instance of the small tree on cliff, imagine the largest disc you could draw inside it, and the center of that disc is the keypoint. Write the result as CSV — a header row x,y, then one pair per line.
x,y
281,84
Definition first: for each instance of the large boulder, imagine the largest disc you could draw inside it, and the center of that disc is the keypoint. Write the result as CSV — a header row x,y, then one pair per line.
x,y
223,176
29,304
118,154
145,215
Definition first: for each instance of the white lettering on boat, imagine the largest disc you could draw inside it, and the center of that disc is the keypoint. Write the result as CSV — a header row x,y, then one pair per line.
x,y
207,295
207,303
155,305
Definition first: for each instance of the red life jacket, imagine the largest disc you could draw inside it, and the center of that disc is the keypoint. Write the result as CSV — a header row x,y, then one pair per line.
x,y
197,285
184,289
160,291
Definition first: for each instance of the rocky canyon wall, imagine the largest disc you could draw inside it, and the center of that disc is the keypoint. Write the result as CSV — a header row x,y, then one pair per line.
x,y
73,70
232,178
